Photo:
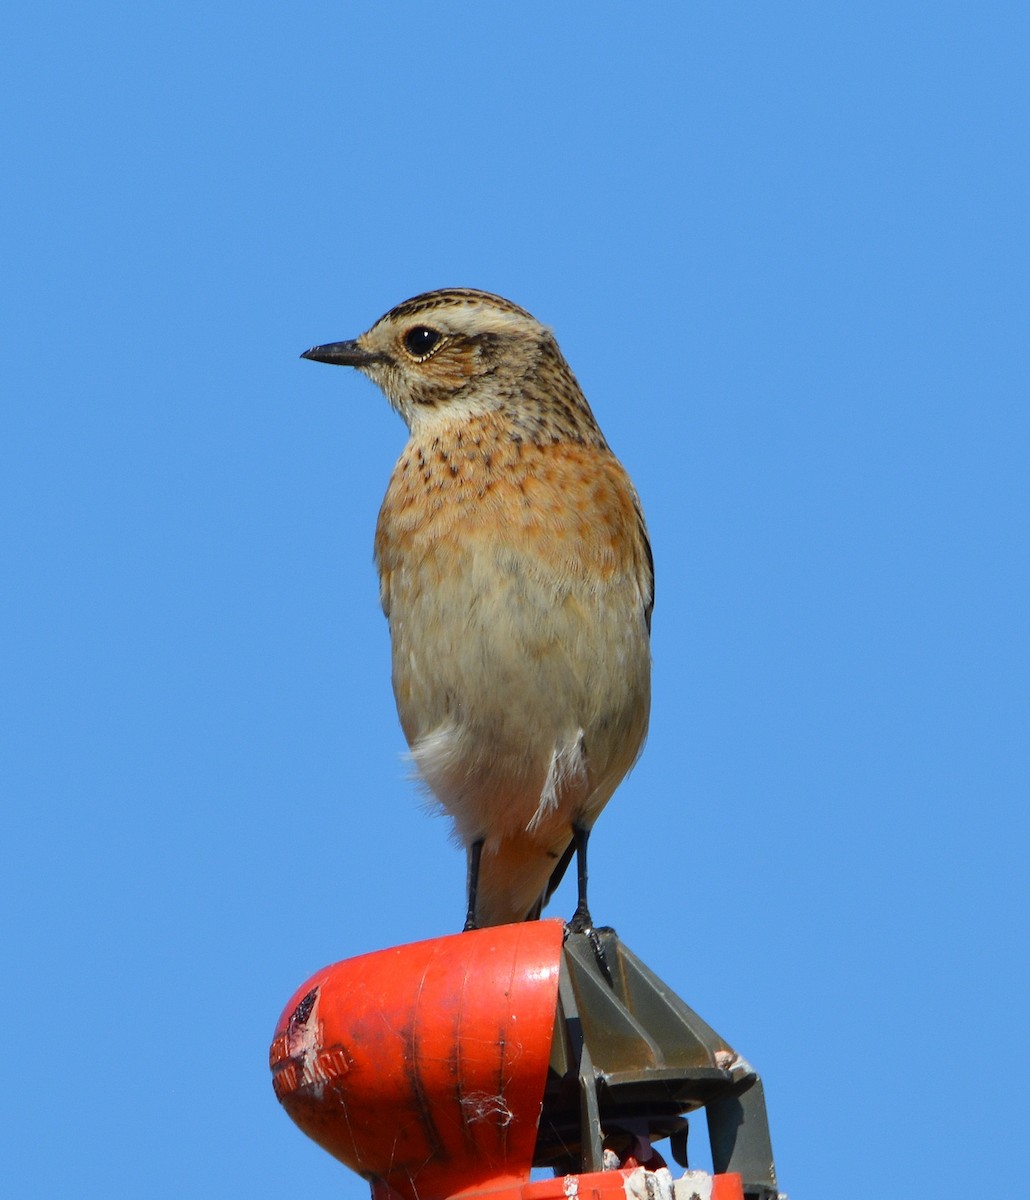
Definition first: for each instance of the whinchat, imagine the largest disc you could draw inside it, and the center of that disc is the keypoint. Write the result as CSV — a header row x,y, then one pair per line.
x,y
517,578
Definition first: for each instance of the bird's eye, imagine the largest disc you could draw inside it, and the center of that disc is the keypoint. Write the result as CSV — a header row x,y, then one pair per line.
x,y
421,341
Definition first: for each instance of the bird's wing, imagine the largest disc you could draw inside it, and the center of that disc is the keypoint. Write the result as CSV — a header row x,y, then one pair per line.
x,y
646,567
384,591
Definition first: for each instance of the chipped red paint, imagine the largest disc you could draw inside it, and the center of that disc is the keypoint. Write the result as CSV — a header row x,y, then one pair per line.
x,y
602,1185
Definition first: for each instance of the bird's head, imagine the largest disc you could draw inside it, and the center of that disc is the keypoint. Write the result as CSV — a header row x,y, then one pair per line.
x,y
456,353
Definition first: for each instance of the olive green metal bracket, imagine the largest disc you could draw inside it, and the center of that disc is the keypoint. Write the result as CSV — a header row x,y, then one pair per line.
x,y
630,1060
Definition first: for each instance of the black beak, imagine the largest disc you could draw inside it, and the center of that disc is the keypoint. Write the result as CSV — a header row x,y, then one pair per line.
x,y
341,354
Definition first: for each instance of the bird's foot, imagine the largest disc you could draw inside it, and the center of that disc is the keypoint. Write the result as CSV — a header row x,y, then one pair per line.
x,y
582,924
581,920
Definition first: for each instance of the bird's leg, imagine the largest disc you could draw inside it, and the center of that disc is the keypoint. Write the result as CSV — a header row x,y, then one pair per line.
x,y
475,854
581,921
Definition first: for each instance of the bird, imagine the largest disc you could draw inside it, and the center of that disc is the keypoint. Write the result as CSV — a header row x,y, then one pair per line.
x,y
517,578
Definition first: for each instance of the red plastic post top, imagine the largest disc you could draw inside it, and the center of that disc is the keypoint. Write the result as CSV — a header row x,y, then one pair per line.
x,y
422,1067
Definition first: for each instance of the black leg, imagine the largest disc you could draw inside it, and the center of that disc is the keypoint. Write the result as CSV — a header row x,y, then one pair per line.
x,y
581,921
475,854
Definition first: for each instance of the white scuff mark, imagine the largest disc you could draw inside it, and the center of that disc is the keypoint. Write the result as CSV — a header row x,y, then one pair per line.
x,y
570,1185
304,1047
727,1060
642,1184
635,1186
328,1065
663,1186
694,1185
483,1106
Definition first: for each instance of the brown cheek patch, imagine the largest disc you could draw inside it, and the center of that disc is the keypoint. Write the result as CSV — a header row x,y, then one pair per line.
x,y
451,368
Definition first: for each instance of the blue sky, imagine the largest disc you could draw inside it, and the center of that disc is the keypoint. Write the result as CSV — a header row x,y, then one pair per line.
x,y
784,248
